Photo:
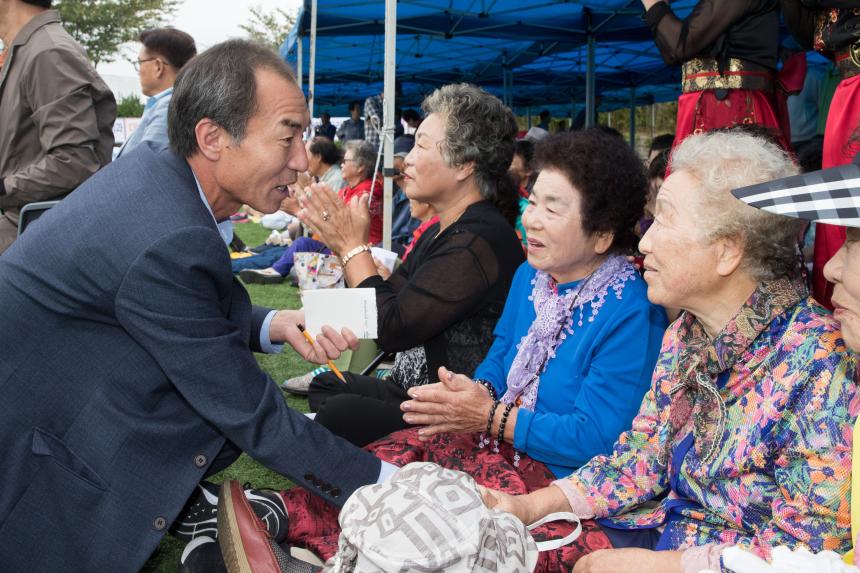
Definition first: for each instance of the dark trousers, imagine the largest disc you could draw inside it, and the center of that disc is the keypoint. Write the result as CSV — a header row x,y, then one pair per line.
x,y
362,410
623,538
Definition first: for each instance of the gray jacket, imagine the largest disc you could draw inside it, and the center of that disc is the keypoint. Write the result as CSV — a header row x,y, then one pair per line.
x,y
56,114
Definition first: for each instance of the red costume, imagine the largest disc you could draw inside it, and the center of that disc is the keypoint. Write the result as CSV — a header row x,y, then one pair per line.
x,y
835,32
728,50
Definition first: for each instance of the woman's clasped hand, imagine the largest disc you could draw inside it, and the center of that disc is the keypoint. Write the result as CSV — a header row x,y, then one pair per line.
x,y
454,404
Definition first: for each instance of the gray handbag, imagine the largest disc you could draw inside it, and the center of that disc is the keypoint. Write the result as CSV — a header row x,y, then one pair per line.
x,y
428,518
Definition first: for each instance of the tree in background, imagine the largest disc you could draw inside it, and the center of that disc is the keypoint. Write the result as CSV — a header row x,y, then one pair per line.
x,y
102,26
129,106
270,28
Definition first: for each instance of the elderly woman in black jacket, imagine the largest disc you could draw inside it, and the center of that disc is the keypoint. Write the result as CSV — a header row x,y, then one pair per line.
x,y
440,307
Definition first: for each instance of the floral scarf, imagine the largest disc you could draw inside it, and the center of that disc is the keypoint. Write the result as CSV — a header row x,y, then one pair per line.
x,y
701,361
554,322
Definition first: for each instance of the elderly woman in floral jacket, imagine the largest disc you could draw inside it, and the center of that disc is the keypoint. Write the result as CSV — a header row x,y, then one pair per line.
x,y
745,436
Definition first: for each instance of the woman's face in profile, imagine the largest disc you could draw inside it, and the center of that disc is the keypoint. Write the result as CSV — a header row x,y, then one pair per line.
x,y
419,210
843,270
679,264
651,200
519,172
426,177
313,160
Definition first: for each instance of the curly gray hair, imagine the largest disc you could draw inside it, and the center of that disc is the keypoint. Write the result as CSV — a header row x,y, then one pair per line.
x,y
725,160
363,155
479,129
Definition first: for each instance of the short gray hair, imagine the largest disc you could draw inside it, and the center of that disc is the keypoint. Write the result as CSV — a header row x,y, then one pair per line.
x,y
479,128
220,84
726,160
363,155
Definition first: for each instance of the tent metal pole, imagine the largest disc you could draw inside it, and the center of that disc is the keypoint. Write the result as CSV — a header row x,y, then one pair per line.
x,y
504,85
590,92
572,110
653,119
633,117
312,65
299,63
387,139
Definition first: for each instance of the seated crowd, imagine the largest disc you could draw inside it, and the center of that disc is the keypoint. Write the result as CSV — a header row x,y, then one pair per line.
x,y
531,351
732,429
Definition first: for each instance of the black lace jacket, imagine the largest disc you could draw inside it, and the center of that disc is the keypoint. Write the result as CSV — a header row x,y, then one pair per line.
x,y
441,306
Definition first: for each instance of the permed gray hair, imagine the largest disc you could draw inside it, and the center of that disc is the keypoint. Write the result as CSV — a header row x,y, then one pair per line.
x,y
219,84
726,160
363,154
479,128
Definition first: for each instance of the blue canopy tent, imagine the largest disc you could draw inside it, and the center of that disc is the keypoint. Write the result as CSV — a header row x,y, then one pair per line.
x,y
539,46
528,52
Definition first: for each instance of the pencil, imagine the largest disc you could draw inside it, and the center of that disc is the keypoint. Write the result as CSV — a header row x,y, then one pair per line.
x,y
330,364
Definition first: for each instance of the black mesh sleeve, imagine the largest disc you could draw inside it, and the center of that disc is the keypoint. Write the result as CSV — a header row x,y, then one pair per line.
x,y
447,286
680,40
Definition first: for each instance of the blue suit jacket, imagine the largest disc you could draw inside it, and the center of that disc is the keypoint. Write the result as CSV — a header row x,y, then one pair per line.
x,y
125,365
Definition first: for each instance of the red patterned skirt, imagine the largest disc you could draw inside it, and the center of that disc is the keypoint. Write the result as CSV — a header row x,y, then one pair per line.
x,y
702,111
313,522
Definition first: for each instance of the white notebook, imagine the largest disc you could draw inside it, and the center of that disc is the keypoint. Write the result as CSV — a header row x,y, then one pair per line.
x,y
352,308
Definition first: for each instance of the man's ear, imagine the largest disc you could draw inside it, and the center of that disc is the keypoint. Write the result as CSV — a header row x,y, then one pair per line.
x,y
211,138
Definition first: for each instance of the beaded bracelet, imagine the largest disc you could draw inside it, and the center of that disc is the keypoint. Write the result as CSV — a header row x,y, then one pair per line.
x,y
501,435
488,386
485,437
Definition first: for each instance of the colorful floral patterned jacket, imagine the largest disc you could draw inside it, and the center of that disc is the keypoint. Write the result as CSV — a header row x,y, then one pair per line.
x,y
780,472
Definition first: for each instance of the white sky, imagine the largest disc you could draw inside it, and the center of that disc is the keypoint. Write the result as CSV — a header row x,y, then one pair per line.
x,y
208,21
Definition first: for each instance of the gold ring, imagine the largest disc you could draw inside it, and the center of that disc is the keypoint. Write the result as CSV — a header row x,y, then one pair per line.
x,y
324,215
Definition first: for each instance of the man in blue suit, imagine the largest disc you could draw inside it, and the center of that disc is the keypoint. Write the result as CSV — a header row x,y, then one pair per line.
x,y
126,366
163,53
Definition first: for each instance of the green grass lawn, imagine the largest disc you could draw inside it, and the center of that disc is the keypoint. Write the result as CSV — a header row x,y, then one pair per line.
x,y
279,367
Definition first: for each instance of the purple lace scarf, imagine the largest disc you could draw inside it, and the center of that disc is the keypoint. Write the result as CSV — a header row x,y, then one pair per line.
x,y
555,321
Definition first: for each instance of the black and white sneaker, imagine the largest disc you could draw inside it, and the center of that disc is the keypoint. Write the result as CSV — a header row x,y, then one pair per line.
x,y
202,555
269,507
200,514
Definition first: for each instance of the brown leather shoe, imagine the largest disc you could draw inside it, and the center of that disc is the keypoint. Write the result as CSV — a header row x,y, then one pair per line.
x,y
245,541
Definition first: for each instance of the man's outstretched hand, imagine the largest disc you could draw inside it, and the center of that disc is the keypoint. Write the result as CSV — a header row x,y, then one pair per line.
x,y
328,345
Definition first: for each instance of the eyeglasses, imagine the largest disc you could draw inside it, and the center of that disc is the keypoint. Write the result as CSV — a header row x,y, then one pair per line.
x,y
137,63
350,159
